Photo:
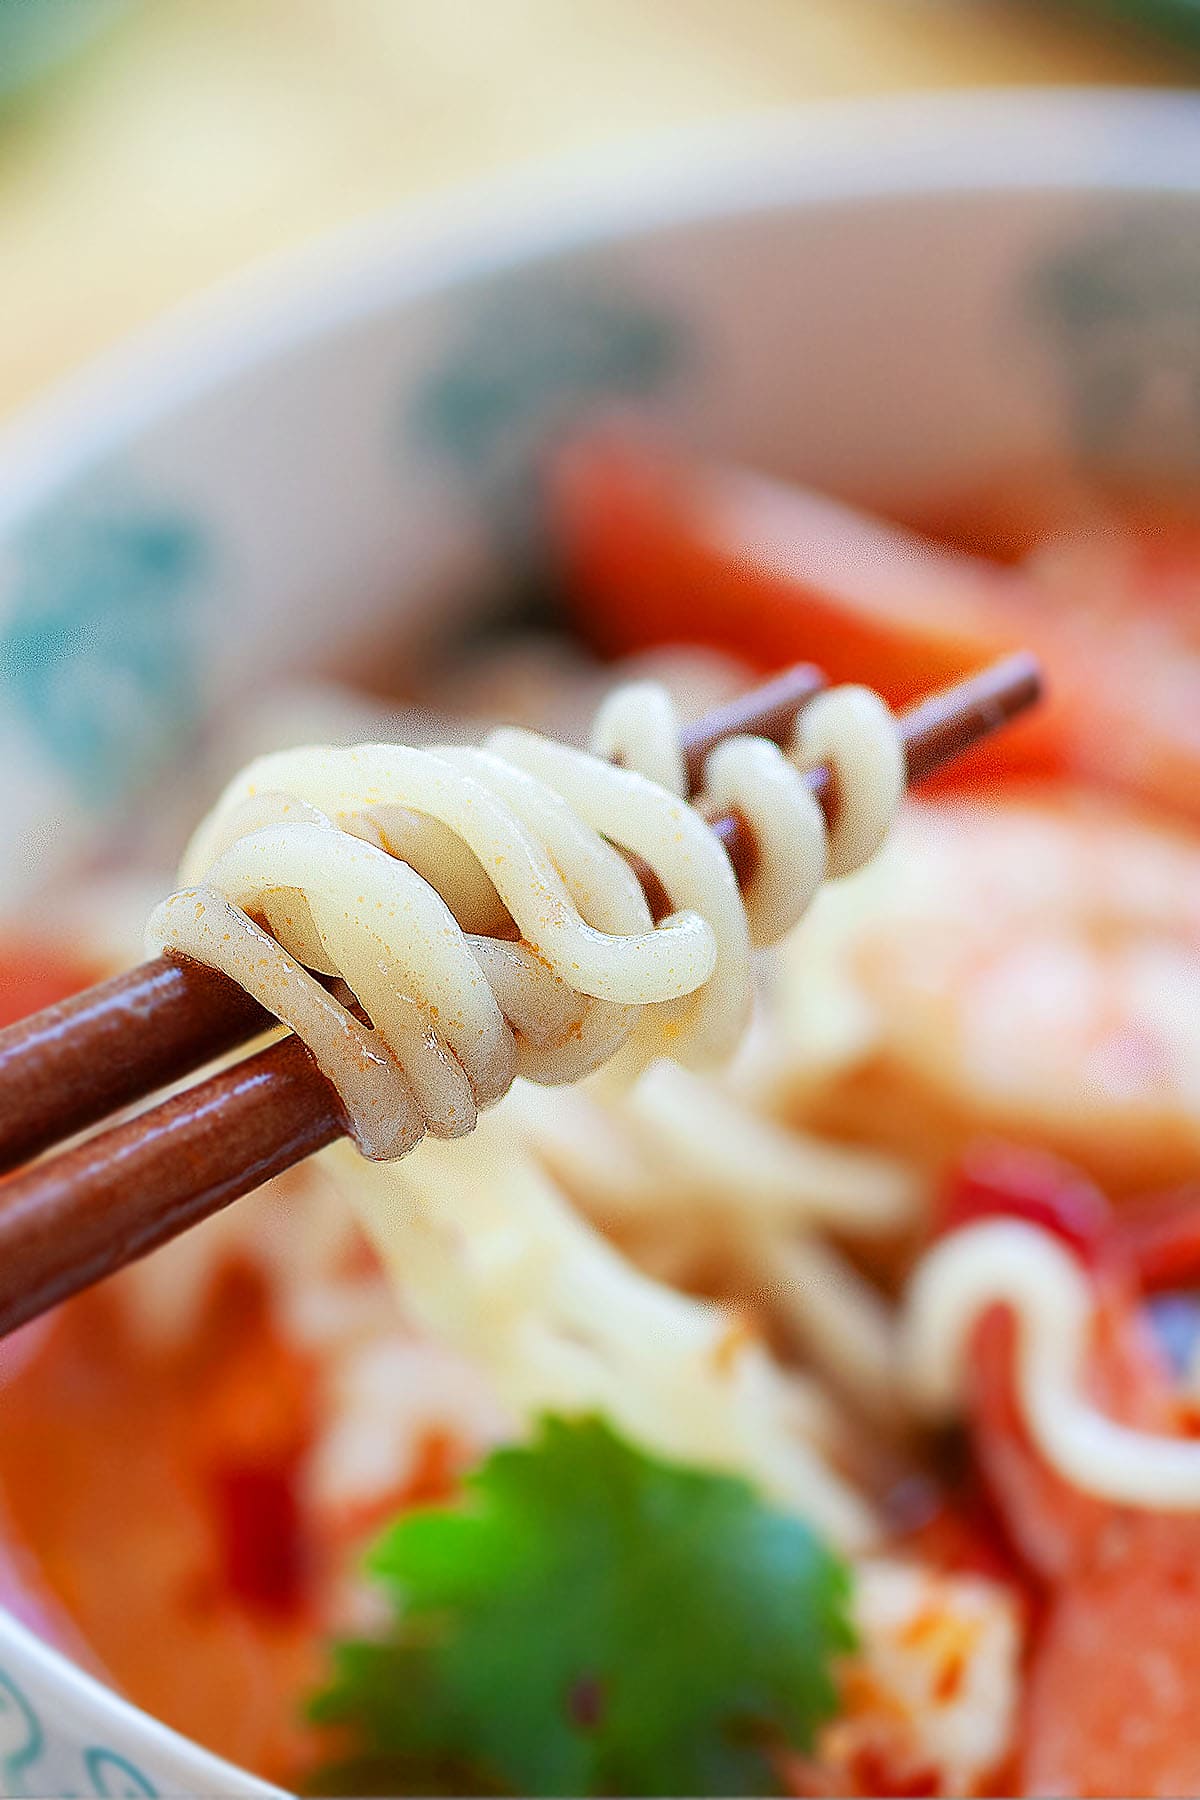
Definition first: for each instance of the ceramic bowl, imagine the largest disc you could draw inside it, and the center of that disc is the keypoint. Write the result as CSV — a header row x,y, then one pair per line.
x,y
893,301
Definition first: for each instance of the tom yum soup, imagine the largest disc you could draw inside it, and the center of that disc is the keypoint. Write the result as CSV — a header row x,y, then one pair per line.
x,y
741,1330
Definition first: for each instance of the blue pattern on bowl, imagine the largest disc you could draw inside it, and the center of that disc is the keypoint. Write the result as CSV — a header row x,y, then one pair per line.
x,y
30,1764
528,351
59,1731
98,647
22,1740
1122,303
523,359
112,1773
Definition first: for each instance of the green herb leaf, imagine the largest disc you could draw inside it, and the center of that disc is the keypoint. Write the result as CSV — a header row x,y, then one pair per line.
x,y
592,1620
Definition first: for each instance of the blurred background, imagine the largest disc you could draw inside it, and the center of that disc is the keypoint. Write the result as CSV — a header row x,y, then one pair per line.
x,y
151,147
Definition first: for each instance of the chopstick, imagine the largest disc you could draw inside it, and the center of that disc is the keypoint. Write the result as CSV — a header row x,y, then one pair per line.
x,y
79,1216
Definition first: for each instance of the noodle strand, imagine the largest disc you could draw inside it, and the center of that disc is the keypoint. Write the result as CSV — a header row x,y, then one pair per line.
x,y
477,904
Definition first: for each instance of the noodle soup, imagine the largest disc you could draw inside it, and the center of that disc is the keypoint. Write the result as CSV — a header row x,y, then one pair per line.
x,y
803,1409
781,1267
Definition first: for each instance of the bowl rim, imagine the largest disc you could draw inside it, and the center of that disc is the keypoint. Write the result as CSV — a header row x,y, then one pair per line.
x,y
822,154
826,153
139,1732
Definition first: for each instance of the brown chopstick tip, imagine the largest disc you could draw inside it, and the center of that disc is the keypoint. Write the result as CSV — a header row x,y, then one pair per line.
x,y
946,724
933,732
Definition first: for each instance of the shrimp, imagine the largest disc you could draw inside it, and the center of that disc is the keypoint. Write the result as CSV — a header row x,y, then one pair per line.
x,y
1030,967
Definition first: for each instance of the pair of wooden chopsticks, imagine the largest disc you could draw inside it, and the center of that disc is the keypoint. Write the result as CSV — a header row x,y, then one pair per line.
x,y
71,1219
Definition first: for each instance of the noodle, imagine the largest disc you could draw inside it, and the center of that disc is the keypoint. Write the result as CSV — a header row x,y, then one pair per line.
x,y
477,905
494,1261
1009,1263
681,1166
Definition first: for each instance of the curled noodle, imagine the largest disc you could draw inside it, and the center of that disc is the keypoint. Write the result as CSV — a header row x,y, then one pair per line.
x,y
850,728
1007,1262
477,904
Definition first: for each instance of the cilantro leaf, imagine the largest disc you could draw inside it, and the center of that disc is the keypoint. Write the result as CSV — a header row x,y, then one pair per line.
x,y
593,1620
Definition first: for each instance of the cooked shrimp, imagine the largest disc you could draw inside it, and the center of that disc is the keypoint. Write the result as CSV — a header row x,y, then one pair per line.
x,y
1030,967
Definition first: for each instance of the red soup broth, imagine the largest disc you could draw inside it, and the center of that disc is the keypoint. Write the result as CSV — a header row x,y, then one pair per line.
x,y
152,1491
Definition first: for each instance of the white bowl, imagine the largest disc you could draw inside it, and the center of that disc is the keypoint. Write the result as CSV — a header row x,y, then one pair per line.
x,y
890,300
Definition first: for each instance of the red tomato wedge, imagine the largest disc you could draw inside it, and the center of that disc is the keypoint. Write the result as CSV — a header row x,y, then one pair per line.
x,y
661,551
657,551
1114,1671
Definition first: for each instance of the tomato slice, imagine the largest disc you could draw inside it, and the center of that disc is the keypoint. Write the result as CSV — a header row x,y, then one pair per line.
x,y
656,551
